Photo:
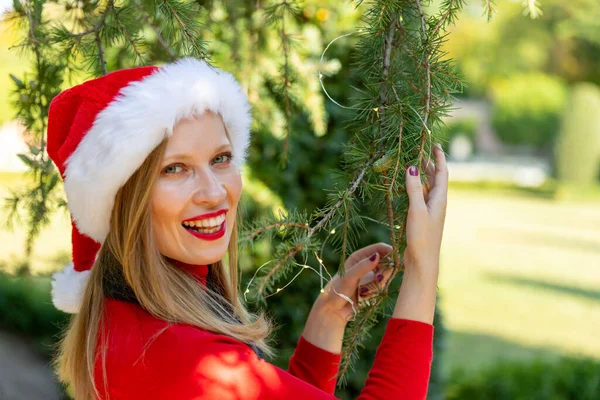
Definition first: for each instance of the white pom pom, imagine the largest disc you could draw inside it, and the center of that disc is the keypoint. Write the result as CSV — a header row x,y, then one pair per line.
x,y
67,288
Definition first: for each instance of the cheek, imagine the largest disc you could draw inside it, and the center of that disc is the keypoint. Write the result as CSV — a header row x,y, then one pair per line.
x,y
165,206
235,186
234,192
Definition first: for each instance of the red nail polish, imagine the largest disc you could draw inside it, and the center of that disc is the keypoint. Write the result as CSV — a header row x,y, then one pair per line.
x,y
373,257
413,171
363,290
379,277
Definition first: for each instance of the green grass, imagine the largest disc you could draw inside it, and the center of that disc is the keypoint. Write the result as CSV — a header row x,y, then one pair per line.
x,y
520,278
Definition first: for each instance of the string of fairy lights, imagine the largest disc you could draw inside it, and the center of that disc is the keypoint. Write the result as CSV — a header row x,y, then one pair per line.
x,y
304,266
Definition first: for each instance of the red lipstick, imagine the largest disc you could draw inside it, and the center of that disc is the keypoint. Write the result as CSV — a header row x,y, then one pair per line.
x,y
208,215
209,236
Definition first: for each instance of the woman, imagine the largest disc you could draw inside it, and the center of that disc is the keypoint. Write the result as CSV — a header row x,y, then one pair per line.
x,y
151,162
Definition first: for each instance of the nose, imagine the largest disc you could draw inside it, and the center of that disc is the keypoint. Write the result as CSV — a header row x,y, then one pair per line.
x,y
210,191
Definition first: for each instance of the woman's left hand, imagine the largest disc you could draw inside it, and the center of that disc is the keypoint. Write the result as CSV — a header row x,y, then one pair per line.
x,y
363,276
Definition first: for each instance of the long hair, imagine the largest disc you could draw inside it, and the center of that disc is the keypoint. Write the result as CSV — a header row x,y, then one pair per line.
x,y
161,288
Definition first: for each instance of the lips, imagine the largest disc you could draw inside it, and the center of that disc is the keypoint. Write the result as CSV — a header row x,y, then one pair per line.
x,y
208,236
206,216
214,223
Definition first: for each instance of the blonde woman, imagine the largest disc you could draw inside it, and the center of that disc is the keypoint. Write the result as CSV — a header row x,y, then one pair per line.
x,y
151,160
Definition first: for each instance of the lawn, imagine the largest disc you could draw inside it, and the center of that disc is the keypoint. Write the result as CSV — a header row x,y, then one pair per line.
x,y
520,278
520,275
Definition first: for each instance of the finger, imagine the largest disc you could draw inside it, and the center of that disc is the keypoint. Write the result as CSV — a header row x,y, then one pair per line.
x,y
382,277
382,248
368,277
379,274
364,266
372,283
414,189
429,170
438,196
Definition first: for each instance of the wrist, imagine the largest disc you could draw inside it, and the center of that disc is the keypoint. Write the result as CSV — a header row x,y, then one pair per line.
x,y
324,330
417,298
424,276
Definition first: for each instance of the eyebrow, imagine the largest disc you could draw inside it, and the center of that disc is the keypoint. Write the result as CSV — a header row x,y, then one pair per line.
x,y
189,155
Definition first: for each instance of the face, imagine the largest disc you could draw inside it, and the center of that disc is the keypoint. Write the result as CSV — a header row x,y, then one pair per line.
x,y
198,176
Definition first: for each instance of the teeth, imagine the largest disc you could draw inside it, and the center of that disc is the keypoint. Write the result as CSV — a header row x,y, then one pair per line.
x,y
214,222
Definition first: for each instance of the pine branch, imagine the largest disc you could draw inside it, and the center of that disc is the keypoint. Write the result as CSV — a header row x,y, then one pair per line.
x,y
399,80
101,54
276,15
147,21
128,36
326,217
488,6
33,95
250,236
449,11
178,12
424,39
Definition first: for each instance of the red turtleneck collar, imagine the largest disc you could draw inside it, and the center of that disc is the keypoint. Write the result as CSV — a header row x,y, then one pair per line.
x,y
199,271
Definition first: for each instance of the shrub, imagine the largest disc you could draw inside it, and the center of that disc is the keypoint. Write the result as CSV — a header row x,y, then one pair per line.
x,y
26,308
527,109
578,146
466,127
565,379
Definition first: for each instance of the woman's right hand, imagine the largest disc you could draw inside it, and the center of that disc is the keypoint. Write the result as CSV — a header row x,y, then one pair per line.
x,y
424,229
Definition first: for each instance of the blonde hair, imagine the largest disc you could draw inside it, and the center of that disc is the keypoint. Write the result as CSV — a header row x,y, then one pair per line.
x,y
179,298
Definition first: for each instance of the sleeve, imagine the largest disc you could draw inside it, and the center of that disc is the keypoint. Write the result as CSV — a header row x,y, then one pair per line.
x,y
402,362
219,367
315,366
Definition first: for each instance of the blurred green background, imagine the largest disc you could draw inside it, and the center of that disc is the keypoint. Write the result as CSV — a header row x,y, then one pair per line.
x,y
520,264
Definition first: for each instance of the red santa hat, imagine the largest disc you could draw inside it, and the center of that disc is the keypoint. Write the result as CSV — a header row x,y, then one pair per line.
x,y
101,131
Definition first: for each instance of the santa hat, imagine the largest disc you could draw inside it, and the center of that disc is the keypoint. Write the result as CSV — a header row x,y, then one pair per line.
x,y
101,131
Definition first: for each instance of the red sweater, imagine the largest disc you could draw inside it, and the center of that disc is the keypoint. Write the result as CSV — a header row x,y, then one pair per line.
x,y
184,363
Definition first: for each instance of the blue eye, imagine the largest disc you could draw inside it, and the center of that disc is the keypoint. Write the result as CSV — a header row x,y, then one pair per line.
x,y
228,154
173,169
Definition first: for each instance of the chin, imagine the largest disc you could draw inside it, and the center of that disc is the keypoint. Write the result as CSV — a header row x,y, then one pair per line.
x,y
207,257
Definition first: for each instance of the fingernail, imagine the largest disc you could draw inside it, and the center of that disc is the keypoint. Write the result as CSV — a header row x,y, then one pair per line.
x,y
379,277
439,145
373,257
363,290
414,171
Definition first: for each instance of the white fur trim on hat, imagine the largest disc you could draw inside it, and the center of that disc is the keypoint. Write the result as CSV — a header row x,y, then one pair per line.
x,y
135,122
68,286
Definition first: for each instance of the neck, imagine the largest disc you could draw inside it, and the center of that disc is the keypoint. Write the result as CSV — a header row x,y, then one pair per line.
x,y
200,271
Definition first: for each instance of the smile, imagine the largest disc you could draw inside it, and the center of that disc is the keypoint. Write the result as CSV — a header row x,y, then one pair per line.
x,y
207,229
